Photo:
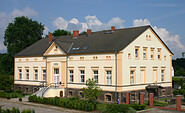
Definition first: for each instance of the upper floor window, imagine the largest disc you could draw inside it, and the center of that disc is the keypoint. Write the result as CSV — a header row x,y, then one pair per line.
x,y
82,76
95,57
164,57
27,74
70,58
137,53
109,77
152,53
129,55
144,53
81,58
71,75
132,72
20,74
108,57
36,74
95,74
159,54
44,75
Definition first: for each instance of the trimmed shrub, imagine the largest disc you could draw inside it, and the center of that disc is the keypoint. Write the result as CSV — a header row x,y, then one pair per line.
x,y
176,92
115,108
28,111
131,110
136,106
73,103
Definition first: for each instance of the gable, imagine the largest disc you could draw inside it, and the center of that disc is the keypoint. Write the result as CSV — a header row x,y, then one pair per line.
x,y
149,39
54,49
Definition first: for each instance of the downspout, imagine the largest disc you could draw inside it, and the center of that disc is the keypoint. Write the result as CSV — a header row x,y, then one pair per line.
x,y
67,68
116,76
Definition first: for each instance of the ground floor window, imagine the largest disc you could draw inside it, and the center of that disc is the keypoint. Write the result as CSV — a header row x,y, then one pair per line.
x,y
71,75
82,76
44,75
109,77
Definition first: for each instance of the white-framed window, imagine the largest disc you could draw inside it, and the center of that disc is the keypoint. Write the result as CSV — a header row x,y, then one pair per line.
x,y
82,76
109,77
159,54
71,75
20,74
95,74
137,53
132,72
152,53
27,74
162,75
44,74
36,74
144,53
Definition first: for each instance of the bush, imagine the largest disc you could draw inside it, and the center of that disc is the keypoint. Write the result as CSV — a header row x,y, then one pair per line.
x,y
136,106
73,103
28,111
158,103
131,110
3,94
115,108
176,92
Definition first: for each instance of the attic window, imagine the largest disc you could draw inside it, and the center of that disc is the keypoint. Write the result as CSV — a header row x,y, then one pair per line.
x,y
108,32
75,48
85,47
75,37
56,47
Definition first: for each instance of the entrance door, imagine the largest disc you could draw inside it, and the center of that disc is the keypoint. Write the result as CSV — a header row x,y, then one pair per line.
x,y
61,93
56,76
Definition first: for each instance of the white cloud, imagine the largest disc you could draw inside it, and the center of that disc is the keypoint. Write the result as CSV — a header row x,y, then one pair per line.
x,y
60,23
46,30
140,22
92,22
7,18
170,39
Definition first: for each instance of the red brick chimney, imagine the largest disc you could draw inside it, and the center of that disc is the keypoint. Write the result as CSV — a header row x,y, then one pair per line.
x,y
50,37
112,28
75,33
88,31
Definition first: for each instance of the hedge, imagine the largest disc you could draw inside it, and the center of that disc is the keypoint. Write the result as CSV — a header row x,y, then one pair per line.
x,y
15,110
158,103
72,103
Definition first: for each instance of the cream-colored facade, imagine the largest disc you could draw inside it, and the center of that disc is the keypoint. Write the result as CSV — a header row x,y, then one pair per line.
x,y
144,61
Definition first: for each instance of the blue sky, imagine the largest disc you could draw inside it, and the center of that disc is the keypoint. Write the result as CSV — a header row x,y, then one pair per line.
x,y
165,16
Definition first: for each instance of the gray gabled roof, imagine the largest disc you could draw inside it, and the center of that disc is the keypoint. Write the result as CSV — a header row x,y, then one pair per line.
x,y
102,41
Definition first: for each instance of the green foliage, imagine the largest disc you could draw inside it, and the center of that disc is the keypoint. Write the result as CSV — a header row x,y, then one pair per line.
x,y
92,91
72,103
59,32
28,111
179,66
176,79
13,110
158,103
21,33
131,110
176,92
6,64
116,108
6,83
137,107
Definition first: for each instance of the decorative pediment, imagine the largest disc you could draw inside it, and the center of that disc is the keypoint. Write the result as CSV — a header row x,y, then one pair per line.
x,y
54,49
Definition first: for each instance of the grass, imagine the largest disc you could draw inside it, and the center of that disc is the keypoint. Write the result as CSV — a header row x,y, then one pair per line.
x,y
101,106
